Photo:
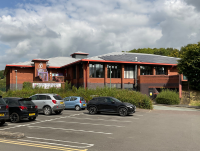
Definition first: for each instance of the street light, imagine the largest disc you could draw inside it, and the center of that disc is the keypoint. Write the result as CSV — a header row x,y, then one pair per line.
x,y
16,79
110,76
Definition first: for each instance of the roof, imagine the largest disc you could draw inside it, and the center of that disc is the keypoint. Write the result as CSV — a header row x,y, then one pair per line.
x,y
53,62
130,57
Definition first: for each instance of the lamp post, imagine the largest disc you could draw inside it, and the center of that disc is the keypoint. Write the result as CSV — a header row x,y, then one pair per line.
x,y
16,79
110,77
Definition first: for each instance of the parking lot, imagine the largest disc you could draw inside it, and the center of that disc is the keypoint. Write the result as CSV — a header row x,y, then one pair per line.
x,y
77,130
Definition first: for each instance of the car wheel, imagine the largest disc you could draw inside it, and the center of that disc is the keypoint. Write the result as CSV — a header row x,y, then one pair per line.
x,y
58,112
123,112
47,110
32,118
2,122
77,108
92,110
14,118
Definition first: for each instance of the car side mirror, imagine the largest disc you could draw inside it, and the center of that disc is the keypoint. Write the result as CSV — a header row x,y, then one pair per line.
x,y
113,102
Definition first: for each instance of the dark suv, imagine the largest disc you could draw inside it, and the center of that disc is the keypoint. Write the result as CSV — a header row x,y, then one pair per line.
x,y
110,104
4,113
20,108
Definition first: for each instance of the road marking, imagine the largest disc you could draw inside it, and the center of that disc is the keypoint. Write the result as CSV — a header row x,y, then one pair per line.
x,y
89,145
137,115
69,130
102,119
41,145
90,124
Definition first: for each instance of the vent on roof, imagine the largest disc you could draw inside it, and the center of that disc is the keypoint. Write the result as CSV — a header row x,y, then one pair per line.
x,y
79,55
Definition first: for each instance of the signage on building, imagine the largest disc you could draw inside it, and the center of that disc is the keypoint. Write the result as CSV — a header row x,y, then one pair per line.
x,y
46,85
40,65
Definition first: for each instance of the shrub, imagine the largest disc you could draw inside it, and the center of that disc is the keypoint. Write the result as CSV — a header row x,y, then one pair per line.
x,y
168,97
27,85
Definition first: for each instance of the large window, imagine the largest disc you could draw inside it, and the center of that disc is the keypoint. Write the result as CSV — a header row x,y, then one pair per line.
x,y
115,70
129,71
160,70
80,71
146,70
96,71
74,72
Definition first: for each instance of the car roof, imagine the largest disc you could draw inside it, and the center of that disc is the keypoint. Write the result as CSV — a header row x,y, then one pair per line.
x,y
45,94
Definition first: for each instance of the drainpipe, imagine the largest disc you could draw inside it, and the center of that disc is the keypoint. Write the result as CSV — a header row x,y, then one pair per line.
x,y
16,79
136,74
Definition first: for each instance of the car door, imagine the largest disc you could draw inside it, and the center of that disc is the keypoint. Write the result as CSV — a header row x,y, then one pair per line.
x,y
38,101
110,105
102,104
66,100
72,102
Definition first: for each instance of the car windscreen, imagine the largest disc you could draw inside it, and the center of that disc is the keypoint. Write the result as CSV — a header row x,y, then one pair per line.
x,y
26,102
116,100
57,97
2,102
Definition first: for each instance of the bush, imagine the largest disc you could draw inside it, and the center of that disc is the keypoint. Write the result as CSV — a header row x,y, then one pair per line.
x,y
124,95
168,97
27,85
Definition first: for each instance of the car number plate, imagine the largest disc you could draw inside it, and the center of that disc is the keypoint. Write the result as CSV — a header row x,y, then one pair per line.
x,y
83,104
61,102
31,114
1,114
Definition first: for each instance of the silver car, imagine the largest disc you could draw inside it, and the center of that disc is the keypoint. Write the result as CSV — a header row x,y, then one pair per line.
x,y
48,103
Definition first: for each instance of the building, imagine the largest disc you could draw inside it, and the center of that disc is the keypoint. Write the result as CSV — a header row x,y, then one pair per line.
x,y
146,73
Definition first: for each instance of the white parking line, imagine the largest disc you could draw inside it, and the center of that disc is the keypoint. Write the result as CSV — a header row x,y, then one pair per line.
x,y
90,124
102,119
69,129
81,145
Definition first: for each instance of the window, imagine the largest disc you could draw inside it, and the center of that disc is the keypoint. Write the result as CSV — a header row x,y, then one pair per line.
x,y
146,70
2,102
73,98
160,70
35,97
129,71
42,97
74,72
80,71
57,97
26,102
96,71
115,70
67,99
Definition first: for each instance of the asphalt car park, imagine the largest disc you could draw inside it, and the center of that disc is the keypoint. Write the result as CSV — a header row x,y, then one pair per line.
x,y
78,130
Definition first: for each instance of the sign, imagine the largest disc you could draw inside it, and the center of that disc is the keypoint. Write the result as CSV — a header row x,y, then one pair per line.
x,y
40,65
46,85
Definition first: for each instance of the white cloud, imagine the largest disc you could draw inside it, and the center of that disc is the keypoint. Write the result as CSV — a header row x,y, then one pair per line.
x,y
59,28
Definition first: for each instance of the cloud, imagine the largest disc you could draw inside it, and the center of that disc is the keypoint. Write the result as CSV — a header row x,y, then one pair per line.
x,y
59,28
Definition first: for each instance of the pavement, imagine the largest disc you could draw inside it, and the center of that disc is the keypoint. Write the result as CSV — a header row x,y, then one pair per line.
x,y
175,107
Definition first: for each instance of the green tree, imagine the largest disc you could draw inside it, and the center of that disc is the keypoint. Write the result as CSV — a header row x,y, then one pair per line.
x,y
189,64
1,74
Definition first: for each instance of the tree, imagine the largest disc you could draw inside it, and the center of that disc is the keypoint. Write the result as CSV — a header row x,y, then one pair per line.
x,y
189,64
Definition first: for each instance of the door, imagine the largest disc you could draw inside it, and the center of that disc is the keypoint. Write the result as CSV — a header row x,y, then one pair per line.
x,y
39,100
101,104
66,100
72,102
110,105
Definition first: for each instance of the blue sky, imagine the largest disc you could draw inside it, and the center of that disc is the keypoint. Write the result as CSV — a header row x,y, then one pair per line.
x,y
31,29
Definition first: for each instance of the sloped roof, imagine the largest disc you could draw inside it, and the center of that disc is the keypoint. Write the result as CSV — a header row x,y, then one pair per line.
x,y
130,57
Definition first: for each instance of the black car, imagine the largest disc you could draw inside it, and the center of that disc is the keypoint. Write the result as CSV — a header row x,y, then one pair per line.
x,y
110,104
4,112
20,108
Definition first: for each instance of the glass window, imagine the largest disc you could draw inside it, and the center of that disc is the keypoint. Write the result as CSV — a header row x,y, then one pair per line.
x,y
96,70
2,102
74,72
42,97
67,99
146,70
26,102
80,71
129,71
35,97
101,100
13,102
108,100
73,98
160,70
57,97
184,77
115,70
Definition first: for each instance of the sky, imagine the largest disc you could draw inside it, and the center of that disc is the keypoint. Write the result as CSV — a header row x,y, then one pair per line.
x,y
31,29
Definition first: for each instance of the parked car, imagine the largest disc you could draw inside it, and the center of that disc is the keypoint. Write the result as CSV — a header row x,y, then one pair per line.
x,y
75,102
48,103
110,104
20,108
4,111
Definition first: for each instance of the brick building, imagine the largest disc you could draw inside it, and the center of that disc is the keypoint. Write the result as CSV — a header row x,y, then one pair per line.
x,y
146,73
